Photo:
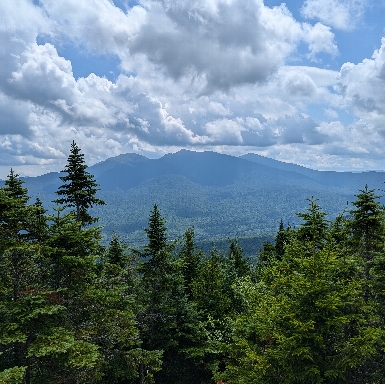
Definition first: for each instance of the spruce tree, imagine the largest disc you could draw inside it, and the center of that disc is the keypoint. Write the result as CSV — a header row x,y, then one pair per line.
x,y
156,233
190,258
14,225
367,226
314,229
305,321
79,188
280,240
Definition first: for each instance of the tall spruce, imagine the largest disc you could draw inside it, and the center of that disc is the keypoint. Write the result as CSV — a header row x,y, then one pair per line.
x,y
190,258
367,226
13,212
280,240
79,188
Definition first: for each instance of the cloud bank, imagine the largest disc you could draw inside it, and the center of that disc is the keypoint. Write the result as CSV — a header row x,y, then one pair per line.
x,y
218,75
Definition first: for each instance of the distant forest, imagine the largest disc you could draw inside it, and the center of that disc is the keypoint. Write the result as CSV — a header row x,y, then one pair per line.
x,y
308,308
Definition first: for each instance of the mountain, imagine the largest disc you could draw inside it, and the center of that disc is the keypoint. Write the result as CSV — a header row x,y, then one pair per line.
x,y
220,195
347,180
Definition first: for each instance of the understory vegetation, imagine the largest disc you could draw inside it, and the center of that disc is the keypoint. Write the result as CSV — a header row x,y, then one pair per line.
x,y
308,308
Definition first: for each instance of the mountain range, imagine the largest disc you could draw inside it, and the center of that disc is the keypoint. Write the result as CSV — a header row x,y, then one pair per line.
x,y
221,196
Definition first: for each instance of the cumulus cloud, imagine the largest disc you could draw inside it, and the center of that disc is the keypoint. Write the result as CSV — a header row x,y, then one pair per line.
x,y
362,86
199,39
320,39
43,76
202,74
340,14
14,117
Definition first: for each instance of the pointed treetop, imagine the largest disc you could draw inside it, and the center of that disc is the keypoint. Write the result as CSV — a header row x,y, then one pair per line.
x,y
156,232
13,187
79,188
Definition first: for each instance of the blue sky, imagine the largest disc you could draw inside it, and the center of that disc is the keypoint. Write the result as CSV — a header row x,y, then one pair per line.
x,y
301,82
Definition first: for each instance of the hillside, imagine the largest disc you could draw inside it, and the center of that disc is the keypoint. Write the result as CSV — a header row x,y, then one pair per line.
x,y
220,195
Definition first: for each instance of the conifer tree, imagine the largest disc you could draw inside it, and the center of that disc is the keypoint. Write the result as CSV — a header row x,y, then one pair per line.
x,y
116,252
237,261
79,188
190,258
14,212
35,345
314,229
305,321
156,233
367,226
280,241
169,321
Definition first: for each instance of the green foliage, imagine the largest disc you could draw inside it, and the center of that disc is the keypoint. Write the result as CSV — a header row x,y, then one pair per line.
x,y
314,229
304,322
14,375
156,233
311,310
79,188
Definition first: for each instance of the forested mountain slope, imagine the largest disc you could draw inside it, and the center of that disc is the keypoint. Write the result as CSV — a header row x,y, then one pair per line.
x,y
220,195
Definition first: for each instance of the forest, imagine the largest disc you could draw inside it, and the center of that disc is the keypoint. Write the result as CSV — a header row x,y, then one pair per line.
x,y
309,307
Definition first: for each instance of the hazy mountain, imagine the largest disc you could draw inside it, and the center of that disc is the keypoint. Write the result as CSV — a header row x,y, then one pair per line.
x,y
220,195
348,180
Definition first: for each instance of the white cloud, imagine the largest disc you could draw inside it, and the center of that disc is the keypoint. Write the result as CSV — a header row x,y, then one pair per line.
x,y
207,74
362,86
340,14
320,39
43,76
96,24
331,113
201,40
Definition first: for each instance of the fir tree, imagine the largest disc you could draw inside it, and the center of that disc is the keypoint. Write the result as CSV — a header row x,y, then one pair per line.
x,y
314,229
14,213
190,258
79,188
156,233
305,322
367,226
280,241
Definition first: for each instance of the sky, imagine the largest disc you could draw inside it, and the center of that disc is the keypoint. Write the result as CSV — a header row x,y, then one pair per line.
x,y
300,82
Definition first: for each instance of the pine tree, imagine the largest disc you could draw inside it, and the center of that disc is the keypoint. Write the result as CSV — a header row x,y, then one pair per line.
x,y
79,188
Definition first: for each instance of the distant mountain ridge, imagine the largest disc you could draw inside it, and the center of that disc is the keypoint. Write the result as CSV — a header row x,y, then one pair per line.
x,y
220,195
338,179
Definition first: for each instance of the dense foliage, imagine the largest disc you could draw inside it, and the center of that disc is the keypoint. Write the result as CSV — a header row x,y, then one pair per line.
x,y
309,309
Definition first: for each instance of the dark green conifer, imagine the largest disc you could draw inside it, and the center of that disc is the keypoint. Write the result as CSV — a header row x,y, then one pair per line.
x,y
280,241
79,188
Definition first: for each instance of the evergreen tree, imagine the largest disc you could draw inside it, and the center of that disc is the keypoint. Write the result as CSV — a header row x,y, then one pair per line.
x,y
190,258
366,238
36,346
156,234
314,229
305,322
169,321
116,252
236,260
14,212
367,227
79,188
280,240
